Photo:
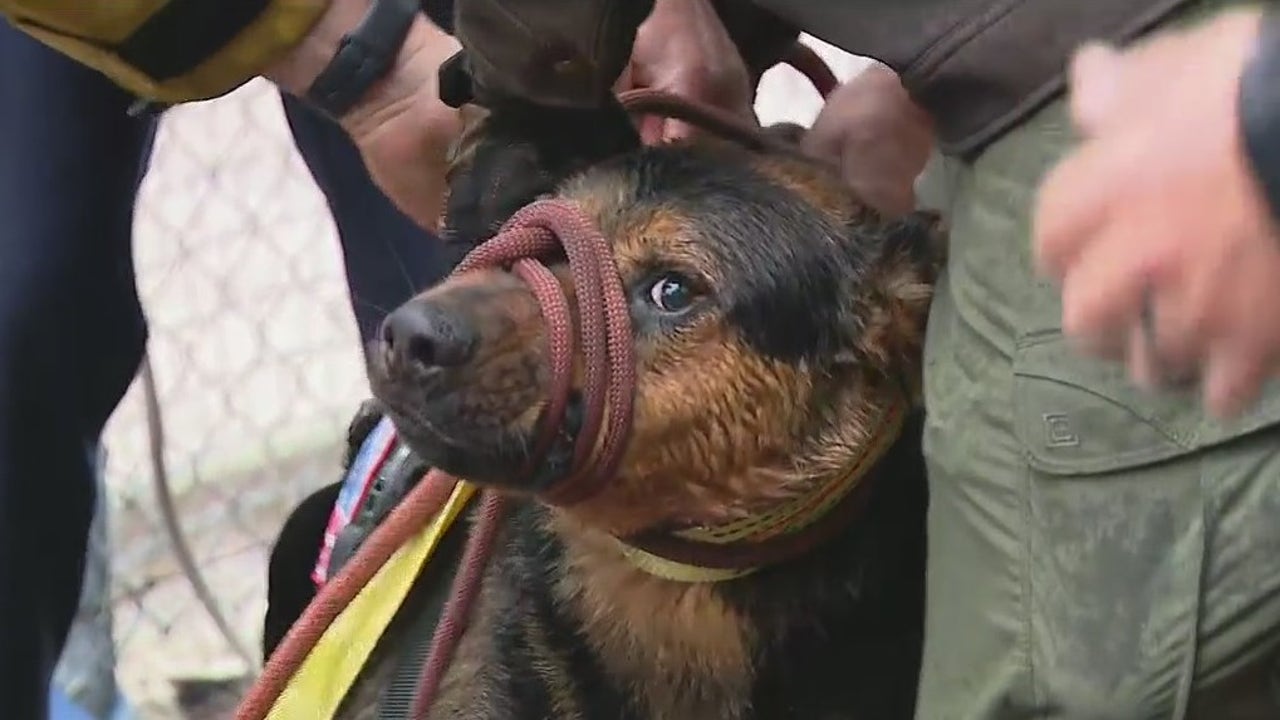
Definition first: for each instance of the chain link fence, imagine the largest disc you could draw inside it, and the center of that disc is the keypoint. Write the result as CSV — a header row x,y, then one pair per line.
x,y
254,356
256,369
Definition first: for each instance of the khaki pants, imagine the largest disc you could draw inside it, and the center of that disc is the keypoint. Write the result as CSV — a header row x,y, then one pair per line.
x,y
1095,551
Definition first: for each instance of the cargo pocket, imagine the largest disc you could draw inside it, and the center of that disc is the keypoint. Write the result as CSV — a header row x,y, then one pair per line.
x,y
1076,416
1118,529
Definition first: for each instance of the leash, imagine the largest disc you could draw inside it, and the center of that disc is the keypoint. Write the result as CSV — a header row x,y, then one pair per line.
x,y
535,231
800,57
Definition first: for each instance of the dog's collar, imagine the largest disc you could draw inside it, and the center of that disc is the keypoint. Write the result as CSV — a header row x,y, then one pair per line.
x,y
738,548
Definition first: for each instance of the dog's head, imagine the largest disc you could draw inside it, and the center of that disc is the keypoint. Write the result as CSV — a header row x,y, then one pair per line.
x,y
773,318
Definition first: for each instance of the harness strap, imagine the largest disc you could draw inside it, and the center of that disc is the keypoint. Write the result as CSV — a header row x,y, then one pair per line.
x,y
362,475
327,673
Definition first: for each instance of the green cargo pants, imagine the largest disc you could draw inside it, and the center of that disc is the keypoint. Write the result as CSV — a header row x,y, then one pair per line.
x,y
1095,551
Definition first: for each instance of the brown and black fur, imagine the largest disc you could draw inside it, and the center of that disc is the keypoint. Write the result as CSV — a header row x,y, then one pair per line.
x,y
808,321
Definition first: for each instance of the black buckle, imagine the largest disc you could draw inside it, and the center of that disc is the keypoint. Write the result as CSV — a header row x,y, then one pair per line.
x,y
454,80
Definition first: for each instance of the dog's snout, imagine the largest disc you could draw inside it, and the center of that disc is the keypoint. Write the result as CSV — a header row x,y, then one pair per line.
x,y
425,334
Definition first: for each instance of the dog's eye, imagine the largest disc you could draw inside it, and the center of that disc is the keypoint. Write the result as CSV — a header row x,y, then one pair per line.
x,y
671,293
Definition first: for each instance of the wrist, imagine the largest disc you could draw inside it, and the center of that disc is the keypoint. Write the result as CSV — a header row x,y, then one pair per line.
x,y
413,80
361,58
295,72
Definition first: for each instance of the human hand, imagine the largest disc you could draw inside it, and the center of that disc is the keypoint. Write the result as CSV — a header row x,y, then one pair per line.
x,y
404,132
879,137
684,49
401,127
1159,205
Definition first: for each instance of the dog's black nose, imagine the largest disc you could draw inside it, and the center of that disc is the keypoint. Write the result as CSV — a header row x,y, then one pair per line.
x,y
425,334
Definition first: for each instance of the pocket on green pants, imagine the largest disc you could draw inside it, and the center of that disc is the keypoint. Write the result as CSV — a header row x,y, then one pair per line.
x,y
1122,533
1077,416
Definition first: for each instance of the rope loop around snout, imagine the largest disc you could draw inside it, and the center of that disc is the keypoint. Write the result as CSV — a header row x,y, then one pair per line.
x,y
534,232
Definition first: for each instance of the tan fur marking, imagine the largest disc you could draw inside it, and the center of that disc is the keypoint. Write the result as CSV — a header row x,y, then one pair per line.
x,y
604,197
816,183
685,460
694,663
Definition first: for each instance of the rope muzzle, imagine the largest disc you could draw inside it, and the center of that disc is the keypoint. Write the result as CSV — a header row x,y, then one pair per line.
x,y
609,368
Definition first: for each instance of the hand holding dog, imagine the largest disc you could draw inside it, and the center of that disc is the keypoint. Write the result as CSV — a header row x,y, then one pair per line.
x,y
401,127
683,48
1159,205
879,137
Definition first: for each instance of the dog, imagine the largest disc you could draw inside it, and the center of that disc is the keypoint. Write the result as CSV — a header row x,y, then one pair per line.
x,y
778,325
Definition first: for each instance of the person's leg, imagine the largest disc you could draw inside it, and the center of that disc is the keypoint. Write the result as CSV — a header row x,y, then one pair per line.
x,y
387,257
85,673
71,336
1094,551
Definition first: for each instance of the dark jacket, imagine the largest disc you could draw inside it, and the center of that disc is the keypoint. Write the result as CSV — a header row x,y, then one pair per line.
x,y
977,65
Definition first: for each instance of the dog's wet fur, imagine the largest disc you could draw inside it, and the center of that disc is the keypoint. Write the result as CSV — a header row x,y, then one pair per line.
x,y
800,316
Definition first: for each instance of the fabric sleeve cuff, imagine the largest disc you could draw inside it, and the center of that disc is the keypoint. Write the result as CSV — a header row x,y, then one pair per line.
x,y
94,38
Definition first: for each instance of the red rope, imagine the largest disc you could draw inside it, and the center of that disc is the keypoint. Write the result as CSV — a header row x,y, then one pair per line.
x,y
608,358
609,366
457,610
537,231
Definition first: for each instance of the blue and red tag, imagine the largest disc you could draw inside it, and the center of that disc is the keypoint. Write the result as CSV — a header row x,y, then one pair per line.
x,y
359,479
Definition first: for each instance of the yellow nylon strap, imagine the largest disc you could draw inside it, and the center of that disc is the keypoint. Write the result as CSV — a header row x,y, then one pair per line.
x,y
330,670
677,571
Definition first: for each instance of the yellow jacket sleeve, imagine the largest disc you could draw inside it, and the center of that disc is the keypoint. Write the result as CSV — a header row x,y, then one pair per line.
x,y
169,51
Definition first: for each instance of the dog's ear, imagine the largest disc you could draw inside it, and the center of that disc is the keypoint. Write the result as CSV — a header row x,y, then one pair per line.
x,y
889,304
516,152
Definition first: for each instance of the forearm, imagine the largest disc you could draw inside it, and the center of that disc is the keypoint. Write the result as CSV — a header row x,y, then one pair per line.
x,y
182,52
410,71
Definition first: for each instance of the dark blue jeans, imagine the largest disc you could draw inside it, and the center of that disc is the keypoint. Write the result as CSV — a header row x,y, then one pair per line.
x,y
72,331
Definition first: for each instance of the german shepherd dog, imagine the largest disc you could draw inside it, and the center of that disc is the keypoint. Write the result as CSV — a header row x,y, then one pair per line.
x,y
777,323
